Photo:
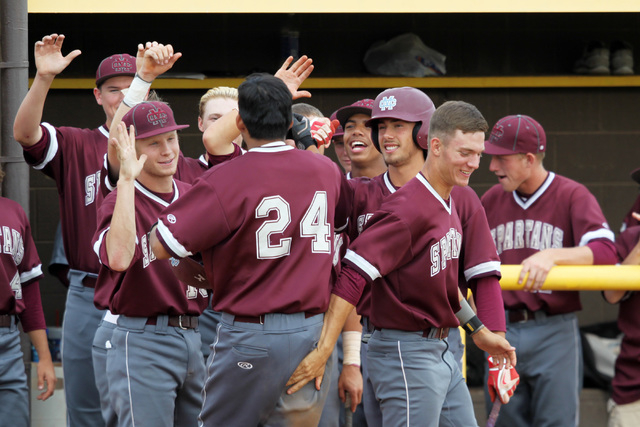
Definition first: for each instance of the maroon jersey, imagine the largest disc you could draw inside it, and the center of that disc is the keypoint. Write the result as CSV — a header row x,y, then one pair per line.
x,y
626,381
561,213
19,261
413,241
148,287
268,217
73,157
190,169
481,258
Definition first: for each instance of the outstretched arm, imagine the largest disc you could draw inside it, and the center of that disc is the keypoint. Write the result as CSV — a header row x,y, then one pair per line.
x,y
49,63
152,60
121,236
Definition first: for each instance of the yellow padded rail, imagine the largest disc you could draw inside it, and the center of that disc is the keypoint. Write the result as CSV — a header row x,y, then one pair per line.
x,y
579,278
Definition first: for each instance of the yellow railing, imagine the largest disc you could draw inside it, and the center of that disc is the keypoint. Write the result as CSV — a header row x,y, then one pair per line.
x,y
579,278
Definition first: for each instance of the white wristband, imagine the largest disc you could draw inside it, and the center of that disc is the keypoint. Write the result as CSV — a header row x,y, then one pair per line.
x,y
137,92
351,347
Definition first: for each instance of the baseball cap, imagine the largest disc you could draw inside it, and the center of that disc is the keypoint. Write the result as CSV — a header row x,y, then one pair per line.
x,y
635,175
339,130
121,64
516,134
363,106
151,118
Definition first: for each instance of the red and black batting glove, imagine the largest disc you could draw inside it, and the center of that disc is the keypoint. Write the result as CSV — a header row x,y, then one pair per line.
x,y
300,132
502,382
322,131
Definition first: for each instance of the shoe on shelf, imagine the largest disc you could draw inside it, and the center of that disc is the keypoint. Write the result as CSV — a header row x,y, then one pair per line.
x,y
621,58
594,60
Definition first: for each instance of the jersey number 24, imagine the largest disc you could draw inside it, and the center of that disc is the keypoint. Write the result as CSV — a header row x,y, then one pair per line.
x,y
314,225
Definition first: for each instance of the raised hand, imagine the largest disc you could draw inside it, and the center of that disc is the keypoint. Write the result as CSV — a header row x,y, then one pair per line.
x,y
295,75
48,55
125,145
156,60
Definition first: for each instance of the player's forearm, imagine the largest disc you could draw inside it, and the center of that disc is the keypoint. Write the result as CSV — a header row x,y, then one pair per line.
x,y
39,340
334,320
579,255
488,297
113,163
26,126
121,237
156,245
218,137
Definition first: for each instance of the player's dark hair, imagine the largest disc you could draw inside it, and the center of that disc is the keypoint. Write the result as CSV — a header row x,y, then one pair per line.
x,y
454,115
264,105
306,110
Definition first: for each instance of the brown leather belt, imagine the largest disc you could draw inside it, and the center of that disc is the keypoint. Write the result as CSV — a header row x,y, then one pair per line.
x,y
436,333
260,319
183,321
89,282
521,315
433,333
5,320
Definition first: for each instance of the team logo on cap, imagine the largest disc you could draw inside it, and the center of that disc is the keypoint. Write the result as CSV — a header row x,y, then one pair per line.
x,y
388,103
121,65
157,117
496,133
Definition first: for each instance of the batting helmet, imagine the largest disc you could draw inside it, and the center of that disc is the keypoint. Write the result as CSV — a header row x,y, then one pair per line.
x,y
403,103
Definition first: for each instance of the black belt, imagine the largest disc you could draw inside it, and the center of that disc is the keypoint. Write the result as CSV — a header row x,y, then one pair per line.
x,y
260,319
5,320
433,333
183,321
521,315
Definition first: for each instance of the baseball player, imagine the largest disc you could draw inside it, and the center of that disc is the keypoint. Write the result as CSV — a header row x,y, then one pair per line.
x,y
147,59
20,270
365,159
402,138
540,219
73,158
156,345
630,220
275,240
624,405
412,373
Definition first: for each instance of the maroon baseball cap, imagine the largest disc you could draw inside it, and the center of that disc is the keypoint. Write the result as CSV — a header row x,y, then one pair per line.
x,y
151,118
635,175
121,64
363,106
516,134
339,130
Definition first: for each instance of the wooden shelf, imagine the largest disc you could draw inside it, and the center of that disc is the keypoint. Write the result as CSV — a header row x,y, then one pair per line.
x,y
385,82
